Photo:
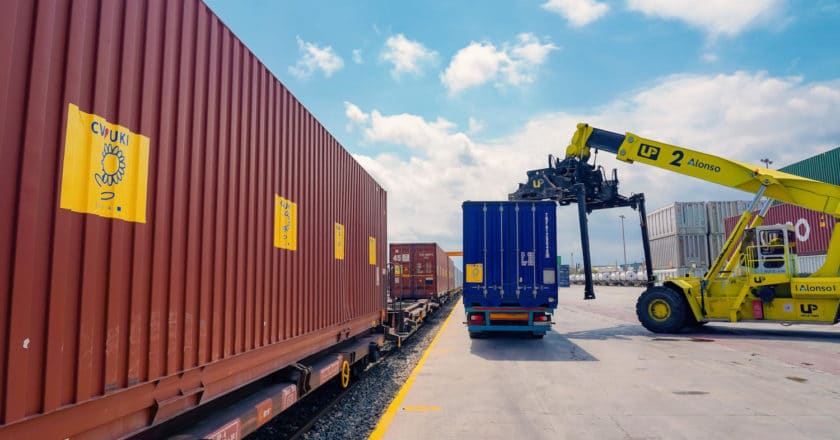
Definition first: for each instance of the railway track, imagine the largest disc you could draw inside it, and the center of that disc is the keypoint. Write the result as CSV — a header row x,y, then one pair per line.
x,y
352,412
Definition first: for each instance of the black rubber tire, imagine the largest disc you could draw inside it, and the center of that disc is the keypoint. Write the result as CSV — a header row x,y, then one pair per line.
x,y
537,335
475,335
671,304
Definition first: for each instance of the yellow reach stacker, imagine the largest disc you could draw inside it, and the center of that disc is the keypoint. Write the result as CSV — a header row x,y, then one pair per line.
x,y
754,278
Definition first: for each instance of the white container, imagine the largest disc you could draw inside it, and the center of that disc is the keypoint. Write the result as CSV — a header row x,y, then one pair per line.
x,y
679,251
809,264
630,276
678,218
718,212
641,275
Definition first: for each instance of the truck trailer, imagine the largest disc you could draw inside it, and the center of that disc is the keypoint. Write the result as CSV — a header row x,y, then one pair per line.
x,y
510,267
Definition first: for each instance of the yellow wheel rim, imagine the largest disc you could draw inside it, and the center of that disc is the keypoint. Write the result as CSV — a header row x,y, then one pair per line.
x,y
345,374
659,310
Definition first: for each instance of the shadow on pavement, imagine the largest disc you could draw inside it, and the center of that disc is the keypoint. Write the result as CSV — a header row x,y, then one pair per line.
x,y
554,347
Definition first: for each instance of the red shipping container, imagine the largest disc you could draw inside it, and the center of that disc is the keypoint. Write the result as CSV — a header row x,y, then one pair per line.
x,y
421,271
813,228
215,264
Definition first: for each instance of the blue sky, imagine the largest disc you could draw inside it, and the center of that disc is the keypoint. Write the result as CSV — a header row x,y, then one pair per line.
x,y
444,101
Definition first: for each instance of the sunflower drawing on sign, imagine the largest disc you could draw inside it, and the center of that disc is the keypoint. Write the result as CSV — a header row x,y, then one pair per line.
x,y
113,169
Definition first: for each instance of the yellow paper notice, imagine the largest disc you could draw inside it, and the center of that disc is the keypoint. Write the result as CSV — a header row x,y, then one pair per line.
x,y
106,168
285,223
372,251
339,241
475,273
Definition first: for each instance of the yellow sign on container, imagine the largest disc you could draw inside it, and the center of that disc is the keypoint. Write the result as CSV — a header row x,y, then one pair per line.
x,y
339,241
372,251
106,168
475,273
285,223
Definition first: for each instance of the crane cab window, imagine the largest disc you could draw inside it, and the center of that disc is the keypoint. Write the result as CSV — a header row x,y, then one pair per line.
x,y
768,250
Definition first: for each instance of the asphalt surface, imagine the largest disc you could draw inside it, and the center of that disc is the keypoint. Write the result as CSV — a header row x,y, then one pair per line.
x,y
599,374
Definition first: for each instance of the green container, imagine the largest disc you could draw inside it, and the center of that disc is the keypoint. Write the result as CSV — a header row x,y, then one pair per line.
x,y
824,167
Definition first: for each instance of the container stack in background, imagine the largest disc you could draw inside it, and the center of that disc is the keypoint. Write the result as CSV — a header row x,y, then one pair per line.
x,y
813,232
717,213
812,246
678,239
685,237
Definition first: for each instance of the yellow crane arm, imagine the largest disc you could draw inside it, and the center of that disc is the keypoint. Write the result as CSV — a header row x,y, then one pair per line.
x,y
789,188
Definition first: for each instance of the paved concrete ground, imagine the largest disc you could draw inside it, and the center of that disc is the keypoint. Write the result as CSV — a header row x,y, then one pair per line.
x,y
600,375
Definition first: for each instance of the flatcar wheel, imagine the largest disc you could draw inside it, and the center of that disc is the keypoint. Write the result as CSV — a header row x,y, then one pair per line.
x,y
345,374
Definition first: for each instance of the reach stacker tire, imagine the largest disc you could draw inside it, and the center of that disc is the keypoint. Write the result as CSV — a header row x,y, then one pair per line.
x,y
661,310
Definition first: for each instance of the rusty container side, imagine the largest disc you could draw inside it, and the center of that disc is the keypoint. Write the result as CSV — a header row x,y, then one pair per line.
x,y
420,271
107,325
813,228
442,269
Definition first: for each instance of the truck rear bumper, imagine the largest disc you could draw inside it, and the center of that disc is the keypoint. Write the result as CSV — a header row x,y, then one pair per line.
x,y
509,319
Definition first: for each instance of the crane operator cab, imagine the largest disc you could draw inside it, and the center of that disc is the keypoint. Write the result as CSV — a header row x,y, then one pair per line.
x,y
769,250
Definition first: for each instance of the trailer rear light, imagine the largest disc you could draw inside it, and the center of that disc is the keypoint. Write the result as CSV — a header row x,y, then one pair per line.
x,y
477,319
542,320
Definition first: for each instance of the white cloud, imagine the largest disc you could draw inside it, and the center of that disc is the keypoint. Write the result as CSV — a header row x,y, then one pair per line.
x,y
357,56
715,17
406,55
355,115
579,13
743,116
480,63
315,58
475,125
710,57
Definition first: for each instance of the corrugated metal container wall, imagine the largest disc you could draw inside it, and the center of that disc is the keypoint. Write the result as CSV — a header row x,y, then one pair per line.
x,y
808,264
716,242
679,251
822,167
420,270
813,228
442,278
718,212
678,218
450,272
108,326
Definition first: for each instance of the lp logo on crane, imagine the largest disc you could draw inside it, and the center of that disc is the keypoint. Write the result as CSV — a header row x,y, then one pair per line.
x,y
649,151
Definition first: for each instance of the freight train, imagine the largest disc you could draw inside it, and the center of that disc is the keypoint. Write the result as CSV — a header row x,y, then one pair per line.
x,y
423,278
177,230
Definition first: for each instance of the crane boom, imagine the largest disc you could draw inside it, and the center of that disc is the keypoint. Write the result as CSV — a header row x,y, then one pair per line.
x,y
784,187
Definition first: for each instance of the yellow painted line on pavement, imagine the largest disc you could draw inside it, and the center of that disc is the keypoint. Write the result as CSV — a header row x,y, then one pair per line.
x,y
386,419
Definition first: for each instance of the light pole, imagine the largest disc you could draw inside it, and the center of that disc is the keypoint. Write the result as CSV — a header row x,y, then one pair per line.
x,y
767,162
572,266
623,245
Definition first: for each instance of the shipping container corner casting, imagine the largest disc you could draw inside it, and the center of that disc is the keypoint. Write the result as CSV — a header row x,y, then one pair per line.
x,y
179,225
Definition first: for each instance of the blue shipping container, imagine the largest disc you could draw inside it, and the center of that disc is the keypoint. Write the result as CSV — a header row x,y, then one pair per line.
x,y
563,273
510,254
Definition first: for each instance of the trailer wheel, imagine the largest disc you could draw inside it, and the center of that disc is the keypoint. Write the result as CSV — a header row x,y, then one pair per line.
x,y
345,374
476,335
661,310
535,335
